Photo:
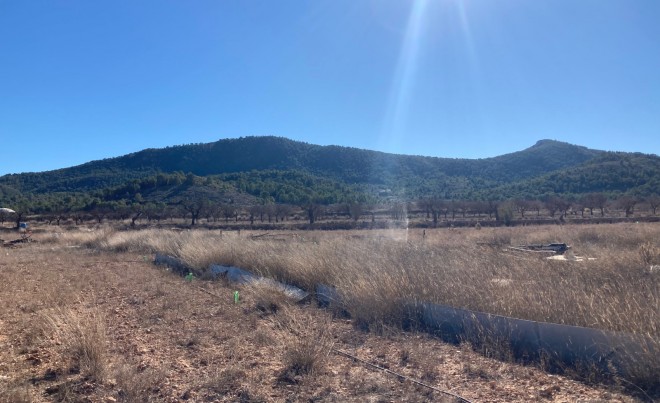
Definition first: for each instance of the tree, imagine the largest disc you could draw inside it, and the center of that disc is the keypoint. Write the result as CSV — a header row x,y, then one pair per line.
x,y
154,211
587,201
505,213
521,206
454,207
21,210
370,209
99,210
282,211
425,205
491,208
552,205
563,205
464,206
600,200
194,205
136,210
435,206
398,211
228,211
254,211
627,203
654,202
593,201
269,210
313,210
535,205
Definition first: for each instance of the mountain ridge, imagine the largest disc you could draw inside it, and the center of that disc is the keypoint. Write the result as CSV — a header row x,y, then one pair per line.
x,y
286,167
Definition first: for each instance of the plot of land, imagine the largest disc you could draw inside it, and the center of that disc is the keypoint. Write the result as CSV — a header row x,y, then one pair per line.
x,y
78,324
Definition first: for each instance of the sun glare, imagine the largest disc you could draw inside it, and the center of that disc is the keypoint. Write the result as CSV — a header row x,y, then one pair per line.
x,y
403,80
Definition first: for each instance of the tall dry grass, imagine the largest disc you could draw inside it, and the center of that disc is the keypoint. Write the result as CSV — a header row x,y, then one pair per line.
x,y
377,271
82,340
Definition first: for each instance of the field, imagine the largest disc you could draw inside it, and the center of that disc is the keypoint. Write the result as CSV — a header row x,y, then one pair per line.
x,y
86,316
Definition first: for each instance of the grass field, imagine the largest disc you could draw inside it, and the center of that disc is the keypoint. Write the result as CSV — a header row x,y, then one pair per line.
x,y
86,315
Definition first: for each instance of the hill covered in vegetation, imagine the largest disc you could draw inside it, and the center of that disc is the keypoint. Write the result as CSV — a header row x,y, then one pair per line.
x,y
274,169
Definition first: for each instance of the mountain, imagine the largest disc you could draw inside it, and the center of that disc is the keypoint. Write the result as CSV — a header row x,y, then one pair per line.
x,y
290,171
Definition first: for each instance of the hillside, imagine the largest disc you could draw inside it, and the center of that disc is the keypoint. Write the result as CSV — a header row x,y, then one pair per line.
x,y
289,171
613,173
350,165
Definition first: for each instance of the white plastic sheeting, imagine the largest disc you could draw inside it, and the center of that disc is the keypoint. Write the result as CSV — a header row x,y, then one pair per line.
x,y
558,346
240,276
232,274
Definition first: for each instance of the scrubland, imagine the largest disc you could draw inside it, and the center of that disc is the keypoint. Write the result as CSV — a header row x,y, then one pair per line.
x,y
376,271
87,316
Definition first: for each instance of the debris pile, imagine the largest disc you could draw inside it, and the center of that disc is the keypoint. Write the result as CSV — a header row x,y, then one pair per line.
x,y
25,238
554,248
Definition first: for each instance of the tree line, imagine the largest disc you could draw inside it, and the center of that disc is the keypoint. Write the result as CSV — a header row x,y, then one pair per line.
x,y
200,203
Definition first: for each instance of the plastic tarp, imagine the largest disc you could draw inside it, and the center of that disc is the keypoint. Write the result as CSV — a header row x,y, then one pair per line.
x,y
233,274
240,276
173,263
327,295
559,346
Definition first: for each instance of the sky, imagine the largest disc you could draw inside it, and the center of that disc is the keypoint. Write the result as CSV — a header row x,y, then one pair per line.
x,y
84,80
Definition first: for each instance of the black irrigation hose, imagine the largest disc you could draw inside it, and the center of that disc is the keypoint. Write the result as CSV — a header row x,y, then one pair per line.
x,y
400,376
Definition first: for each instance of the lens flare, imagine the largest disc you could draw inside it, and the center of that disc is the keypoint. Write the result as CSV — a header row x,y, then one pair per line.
x,y
403,82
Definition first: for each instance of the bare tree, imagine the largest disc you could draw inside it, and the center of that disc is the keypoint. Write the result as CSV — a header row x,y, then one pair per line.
x,y
370,209
593,201
398,211
552,205
535,205
254,211
491,208
587,201
213,212
627,203
521,206
269,209
425,205
228,211
282,211
313,210
654,202
463,206
600,200
437,207
454,207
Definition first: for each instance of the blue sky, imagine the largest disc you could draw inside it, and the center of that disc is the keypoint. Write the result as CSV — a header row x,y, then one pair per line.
x,y
85,80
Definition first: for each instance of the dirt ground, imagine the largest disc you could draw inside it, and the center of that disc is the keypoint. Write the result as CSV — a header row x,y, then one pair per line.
x,y
84,326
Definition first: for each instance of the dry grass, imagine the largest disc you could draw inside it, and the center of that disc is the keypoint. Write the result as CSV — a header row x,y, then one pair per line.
x,y
15,393
82,339
135,385
307,344
378,273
